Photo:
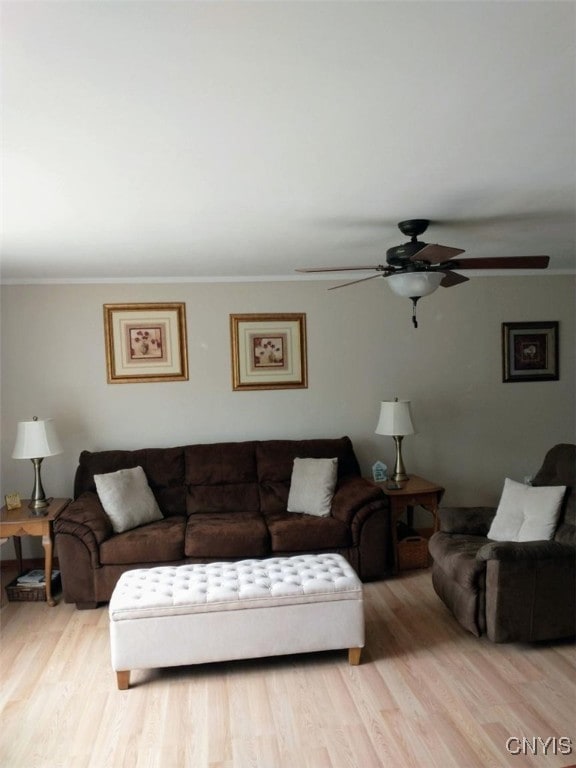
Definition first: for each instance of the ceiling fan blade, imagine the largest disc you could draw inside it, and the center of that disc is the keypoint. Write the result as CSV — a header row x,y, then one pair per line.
x,y
378,267
436,254
504,262
452,278
353,282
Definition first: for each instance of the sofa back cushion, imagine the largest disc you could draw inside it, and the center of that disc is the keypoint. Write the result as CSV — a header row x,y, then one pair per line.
x,y
559,468
221,477
163,467
245,476
275,461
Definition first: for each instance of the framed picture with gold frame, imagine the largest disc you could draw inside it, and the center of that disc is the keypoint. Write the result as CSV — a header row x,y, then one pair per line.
x,y
145,342
530,351
269,351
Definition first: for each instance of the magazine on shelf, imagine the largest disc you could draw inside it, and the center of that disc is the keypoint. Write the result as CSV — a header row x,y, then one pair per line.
x,y
35,578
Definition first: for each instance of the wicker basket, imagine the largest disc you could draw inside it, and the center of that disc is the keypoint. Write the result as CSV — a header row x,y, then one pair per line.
x,y
18,593
413,553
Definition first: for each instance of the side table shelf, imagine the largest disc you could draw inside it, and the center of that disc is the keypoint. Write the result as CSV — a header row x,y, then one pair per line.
x,y
20,522
414,492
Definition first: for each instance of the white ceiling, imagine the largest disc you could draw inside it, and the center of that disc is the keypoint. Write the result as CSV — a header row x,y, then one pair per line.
x,y
244,139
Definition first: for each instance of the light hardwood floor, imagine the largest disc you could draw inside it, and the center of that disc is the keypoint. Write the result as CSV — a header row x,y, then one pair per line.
x,y
426,694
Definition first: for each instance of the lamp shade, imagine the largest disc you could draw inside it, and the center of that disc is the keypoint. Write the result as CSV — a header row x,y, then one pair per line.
x,y
414,284
395,418
36,439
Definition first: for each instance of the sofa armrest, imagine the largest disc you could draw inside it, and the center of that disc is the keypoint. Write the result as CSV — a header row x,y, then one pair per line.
x,y
526,551
352,494
85,519
474,521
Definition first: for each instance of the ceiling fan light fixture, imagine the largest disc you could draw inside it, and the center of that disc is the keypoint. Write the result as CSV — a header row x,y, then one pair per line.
x,y
414,284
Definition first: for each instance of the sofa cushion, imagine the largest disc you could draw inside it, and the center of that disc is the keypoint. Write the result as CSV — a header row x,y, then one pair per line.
x,y
312,486
275,458
221,477
290,532
526,513
275,461
228,498
220,463
164,468
100,463
456,555
226,534
559,468
158,542
127,498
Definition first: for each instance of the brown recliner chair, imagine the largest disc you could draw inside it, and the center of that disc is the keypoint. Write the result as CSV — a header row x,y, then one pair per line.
x,y
511,591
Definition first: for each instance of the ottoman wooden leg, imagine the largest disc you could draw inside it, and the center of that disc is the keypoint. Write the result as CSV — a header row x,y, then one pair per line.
x,y
354,656
123,678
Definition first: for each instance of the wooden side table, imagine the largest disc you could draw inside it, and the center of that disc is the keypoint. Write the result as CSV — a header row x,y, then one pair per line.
x,y
416,491
21,522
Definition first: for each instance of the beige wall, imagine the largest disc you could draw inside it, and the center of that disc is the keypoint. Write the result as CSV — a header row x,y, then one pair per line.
x,y
473,430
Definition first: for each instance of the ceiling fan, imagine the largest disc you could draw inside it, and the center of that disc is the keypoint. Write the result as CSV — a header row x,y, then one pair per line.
x,y
416,268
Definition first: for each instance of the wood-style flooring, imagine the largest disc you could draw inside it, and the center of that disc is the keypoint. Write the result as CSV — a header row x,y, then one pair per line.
x,y
427,694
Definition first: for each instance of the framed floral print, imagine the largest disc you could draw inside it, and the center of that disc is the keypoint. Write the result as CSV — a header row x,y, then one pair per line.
x,y
530,351
145,342
268,351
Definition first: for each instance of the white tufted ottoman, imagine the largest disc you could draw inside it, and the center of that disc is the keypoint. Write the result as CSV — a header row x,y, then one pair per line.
x,y
191,614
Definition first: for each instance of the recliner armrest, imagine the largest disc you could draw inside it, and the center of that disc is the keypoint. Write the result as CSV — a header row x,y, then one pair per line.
x,y
474,521
526,550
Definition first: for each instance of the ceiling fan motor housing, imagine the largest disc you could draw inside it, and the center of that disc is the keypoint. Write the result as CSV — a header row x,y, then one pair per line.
x,y
400,255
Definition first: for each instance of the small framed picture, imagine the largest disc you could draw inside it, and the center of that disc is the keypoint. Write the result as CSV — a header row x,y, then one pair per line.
x,y
145,342
268,351
530,351
379,472
12,501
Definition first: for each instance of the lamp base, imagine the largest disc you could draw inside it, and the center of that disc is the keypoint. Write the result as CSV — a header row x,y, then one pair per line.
x,y
39,507
399,475
39,503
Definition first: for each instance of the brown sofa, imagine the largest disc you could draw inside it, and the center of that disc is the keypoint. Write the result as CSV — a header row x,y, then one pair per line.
x,y
511,591
220,501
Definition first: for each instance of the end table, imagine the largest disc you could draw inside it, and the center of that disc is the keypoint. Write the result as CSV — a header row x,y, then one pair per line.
x,y
416,491
21,522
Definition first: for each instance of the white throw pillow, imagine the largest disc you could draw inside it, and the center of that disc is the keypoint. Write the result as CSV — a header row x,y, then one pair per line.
x,y
127,498
527,513
509,515
312,486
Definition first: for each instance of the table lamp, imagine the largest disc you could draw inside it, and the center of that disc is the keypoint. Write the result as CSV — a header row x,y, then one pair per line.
x,y
36,440
396,420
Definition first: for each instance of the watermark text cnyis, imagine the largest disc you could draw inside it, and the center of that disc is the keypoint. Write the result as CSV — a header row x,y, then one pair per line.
x,y
536,745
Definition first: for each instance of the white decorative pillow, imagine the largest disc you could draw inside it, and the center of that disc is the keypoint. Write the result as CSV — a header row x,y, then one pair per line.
x,y
509,515
542,507
312,486
527,513
127,498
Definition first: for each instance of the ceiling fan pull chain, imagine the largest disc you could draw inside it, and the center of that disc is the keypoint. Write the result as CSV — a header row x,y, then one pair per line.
x,y
414,302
